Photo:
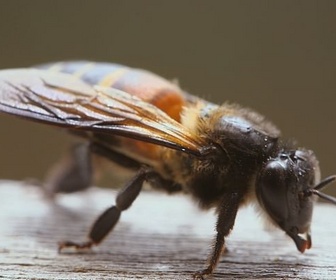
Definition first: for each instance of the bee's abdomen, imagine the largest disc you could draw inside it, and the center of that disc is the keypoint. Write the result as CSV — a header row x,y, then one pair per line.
x,y
91,72
150,87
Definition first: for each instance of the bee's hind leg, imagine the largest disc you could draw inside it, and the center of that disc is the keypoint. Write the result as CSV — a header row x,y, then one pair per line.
x,y
72,173
108,219
126,196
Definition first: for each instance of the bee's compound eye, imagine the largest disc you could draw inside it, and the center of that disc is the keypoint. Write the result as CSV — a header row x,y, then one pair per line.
x,y
272,190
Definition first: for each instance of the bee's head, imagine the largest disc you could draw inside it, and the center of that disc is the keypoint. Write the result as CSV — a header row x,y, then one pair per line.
x,y
285,188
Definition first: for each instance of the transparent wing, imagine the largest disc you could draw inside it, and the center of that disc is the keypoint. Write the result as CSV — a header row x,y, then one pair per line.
x,y
64,100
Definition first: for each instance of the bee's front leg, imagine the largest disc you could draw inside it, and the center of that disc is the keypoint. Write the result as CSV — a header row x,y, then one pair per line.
x,y
227,212
108,219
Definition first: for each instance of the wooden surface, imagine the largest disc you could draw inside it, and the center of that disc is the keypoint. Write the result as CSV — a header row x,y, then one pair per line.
x,y
159,237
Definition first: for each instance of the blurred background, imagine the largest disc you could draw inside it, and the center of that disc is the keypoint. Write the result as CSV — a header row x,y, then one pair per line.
x,y
278,57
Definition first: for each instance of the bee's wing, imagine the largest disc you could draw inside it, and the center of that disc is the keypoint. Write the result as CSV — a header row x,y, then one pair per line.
x,y
66,101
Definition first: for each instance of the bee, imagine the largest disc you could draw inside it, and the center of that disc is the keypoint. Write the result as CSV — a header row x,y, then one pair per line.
x,y
223,156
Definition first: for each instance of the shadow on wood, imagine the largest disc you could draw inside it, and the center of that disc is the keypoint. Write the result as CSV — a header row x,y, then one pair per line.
x,y
159,237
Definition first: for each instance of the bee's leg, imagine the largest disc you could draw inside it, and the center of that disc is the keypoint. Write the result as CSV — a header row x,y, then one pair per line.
x,y
106,221
226,217
113,156
155,180
72,173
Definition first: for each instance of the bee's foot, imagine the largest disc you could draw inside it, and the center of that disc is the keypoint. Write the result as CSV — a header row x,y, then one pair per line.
x,y
200,275
77,246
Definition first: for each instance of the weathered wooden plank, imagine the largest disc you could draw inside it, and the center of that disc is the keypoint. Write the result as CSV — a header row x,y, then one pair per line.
x,y
160,237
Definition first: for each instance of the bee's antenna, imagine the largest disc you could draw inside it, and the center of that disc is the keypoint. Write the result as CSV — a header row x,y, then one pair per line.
x,y
325,182
321,185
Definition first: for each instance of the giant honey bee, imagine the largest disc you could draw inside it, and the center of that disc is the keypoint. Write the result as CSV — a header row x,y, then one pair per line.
x,y
222,156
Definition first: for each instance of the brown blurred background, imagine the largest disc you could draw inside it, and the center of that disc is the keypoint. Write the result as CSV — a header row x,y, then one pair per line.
x,y
278,57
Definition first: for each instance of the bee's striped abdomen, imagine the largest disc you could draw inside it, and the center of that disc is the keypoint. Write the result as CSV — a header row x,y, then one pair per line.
x,y
150,87
146,85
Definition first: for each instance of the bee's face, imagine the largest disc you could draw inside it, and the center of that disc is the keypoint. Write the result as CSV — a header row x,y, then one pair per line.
x,y
282,188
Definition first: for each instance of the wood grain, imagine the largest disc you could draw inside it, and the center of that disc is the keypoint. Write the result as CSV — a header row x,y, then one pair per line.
x,y
159,237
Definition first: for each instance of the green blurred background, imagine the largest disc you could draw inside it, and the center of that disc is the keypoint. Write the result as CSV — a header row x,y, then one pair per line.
x,y
278,57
